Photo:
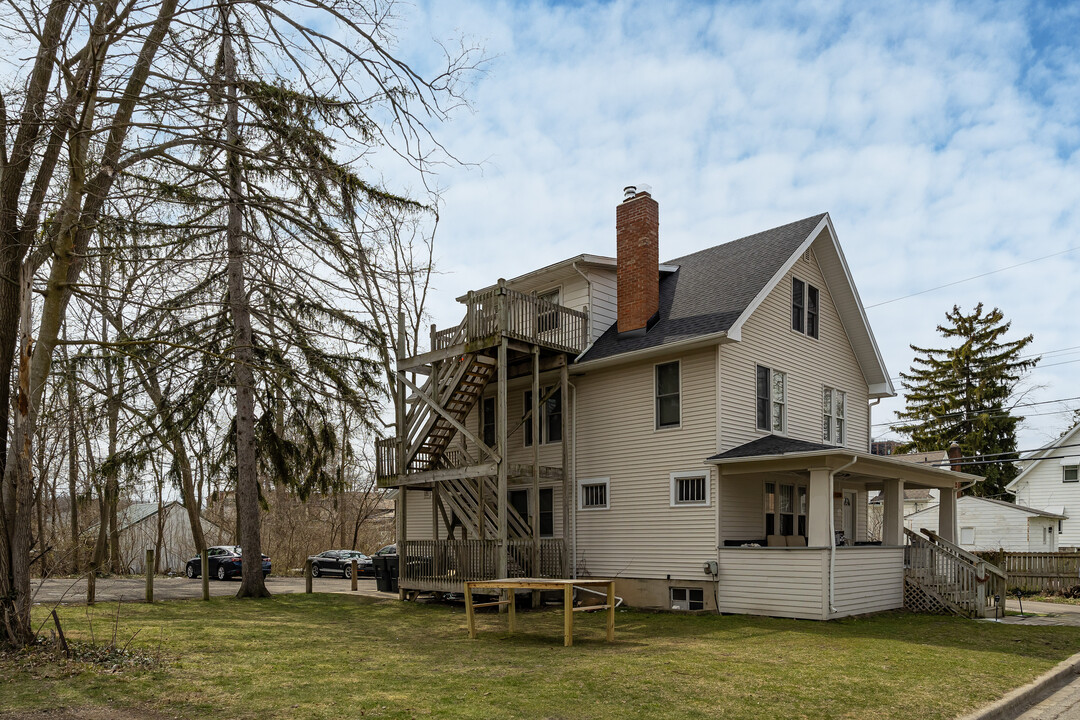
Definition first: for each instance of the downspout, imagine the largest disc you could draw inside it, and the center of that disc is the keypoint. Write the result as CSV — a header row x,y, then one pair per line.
x,y
832,531
870,423
573,499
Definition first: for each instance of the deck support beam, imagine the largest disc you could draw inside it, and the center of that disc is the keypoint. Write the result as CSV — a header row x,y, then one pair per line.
x,y
564,381
534,496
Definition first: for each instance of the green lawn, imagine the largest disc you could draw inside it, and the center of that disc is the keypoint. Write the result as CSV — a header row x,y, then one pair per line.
x,y
337,656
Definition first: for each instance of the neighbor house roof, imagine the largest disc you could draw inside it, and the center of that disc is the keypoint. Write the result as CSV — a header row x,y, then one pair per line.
x,y
1011,506
711,289
915,495
711,293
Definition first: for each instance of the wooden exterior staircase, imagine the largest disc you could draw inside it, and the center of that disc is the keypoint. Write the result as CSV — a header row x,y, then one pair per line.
x,y
943,578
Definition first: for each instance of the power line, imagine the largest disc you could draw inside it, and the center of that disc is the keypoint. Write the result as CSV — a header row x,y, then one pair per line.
x,y
997,462
981,410
973,277
1018,452
1075,348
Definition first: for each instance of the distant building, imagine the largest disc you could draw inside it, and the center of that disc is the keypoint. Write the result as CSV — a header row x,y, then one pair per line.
x,y
883,447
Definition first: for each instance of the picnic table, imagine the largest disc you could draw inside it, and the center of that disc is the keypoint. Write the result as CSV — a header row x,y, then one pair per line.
x,y
566,585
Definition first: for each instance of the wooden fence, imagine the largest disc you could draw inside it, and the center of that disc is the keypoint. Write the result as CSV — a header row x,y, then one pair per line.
x,y
434,561
1046,572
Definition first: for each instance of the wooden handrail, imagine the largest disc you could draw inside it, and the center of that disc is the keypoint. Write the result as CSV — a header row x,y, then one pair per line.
x,y
974,559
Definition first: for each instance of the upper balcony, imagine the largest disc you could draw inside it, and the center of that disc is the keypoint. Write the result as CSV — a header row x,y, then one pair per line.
x,y
501,312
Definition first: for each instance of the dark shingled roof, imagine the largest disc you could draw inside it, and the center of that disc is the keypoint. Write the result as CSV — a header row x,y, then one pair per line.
x,y
771,445
711,288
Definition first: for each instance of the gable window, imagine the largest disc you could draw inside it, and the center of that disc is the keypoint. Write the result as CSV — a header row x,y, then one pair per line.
x,y
833,408
798,305
785,509
550,417
771,399
667,395
488,411
687,599
689,488
594,494
1070,473
805,304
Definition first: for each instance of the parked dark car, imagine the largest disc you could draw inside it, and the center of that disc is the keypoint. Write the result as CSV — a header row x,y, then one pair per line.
x,y
224,563
340,562
386,550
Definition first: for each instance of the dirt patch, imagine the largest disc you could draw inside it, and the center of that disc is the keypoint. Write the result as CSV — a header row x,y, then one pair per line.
x,y
88,713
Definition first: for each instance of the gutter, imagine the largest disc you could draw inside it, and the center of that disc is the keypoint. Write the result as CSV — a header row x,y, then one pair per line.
x,y
694,343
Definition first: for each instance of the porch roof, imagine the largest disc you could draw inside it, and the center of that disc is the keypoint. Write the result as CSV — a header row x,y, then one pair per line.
x,y
776,453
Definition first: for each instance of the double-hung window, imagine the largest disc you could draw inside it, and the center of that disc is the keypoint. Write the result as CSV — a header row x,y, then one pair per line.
x,y
771,399
833,407
1070,473
488,412
519,500
550,417
547,317
805,307
667,395
785,509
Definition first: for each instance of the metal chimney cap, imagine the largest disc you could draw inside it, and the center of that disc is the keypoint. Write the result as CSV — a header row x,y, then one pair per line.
x,y
629,192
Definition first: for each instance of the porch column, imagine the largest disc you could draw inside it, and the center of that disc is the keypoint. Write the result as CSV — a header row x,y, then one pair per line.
x,y
820,496
947,515
892,526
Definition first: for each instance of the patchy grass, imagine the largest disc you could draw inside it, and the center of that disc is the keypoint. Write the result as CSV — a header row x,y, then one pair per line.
x,y
336,656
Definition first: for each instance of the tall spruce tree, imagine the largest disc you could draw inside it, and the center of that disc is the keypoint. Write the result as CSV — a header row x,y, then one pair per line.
x,y
964,394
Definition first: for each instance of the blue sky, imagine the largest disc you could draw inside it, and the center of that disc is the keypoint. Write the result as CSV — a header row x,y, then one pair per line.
x,y
942,137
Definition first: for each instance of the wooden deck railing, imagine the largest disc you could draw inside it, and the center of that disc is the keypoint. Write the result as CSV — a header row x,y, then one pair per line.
x,y
526,317
439,561
1048,572
963,582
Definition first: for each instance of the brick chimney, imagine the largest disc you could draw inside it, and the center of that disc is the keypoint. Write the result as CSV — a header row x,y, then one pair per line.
x,y
955,453
637,246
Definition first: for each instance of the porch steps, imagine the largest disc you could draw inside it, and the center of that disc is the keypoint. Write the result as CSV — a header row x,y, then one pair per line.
x,y
943,578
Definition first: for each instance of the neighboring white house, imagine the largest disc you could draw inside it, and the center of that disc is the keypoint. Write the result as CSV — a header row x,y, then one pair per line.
x,y
987,524
140,525
1051,481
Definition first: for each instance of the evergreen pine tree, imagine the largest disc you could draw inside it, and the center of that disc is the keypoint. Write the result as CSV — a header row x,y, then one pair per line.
x,y
963,394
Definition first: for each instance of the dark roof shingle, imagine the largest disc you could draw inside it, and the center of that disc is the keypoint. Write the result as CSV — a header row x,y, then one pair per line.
x,y
711,288
771,445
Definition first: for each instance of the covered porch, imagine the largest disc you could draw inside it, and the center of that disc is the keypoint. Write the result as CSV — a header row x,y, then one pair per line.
x,y
795,538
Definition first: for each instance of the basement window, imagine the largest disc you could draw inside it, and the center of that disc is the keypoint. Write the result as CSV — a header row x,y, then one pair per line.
x,y
687,598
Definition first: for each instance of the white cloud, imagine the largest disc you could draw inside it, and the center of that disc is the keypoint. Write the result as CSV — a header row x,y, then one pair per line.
x,y
942,138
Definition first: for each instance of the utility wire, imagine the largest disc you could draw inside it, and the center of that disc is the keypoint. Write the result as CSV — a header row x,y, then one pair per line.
x,y
996,462
981,410
973,277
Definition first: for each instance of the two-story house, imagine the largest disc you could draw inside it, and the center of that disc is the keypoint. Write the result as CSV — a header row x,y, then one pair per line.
x,y
1050,483
698,429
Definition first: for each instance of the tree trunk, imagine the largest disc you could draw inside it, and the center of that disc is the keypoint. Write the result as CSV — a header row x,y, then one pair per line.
x,y
247,482
73,465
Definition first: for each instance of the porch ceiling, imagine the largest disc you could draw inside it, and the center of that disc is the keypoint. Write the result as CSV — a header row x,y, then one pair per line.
x,y
856,466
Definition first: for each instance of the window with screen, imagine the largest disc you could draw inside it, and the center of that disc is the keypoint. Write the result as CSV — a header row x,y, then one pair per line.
x,y
667,395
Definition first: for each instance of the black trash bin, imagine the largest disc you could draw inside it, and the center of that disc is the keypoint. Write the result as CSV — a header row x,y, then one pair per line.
x,y
386,573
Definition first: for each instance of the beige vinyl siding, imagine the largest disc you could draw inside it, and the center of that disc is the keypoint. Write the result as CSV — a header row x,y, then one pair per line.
x,y
811,364
782,582
641,535
605,307
742,507
868,579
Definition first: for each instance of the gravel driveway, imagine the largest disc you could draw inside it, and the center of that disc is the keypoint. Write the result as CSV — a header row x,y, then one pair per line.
x,y
69,591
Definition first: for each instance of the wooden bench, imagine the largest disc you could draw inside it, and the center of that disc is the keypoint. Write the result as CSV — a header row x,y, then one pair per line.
x,y
567,586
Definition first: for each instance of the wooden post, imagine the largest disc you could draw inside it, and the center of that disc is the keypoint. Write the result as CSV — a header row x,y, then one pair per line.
x,y
91,583
567,495
470,613
611,611
568,615
534,496
149,575
513,610
204,558
501,431
402,444
307,576
436,556
354,571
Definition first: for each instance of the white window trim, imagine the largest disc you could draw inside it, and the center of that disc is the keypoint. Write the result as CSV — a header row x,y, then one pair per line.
x,y
606,482
972,529
671,600
692,474
787,395
1066,468
795,515
834,417
655,396
805,308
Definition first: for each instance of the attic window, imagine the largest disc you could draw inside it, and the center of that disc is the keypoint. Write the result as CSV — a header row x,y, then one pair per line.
x,y
1069,473
805,304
